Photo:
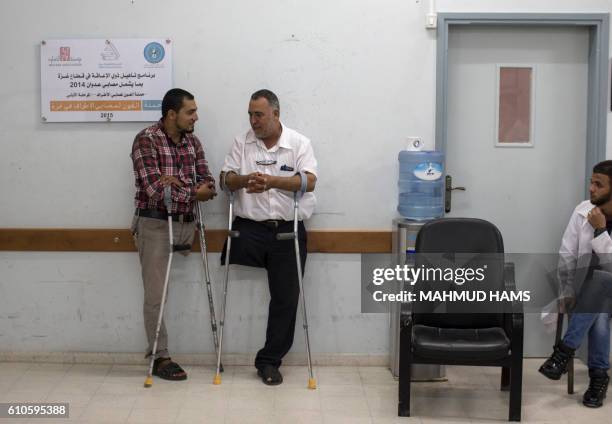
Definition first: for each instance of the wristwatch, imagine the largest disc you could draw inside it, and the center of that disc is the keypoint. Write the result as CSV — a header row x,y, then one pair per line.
x,y
598,231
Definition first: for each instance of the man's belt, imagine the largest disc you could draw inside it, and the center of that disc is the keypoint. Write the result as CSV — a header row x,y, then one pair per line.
x,y
154,213
273,223
270,223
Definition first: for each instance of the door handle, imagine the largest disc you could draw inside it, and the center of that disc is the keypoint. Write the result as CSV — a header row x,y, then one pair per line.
x,y
448,193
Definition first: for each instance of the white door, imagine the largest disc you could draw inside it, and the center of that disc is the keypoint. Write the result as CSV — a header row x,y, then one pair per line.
x,y
527,192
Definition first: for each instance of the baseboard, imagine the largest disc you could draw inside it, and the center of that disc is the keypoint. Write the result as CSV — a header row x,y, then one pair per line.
x,y
325,359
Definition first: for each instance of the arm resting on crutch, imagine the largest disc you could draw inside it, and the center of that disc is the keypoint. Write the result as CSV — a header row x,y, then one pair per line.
x,y
258,183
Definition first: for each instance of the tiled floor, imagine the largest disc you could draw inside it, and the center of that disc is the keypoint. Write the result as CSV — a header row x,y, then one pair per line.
x,y
355,395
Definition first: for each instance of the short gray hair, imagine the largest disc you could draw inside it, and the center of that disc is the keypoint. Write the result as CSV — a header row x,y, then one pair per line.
x,y
269,96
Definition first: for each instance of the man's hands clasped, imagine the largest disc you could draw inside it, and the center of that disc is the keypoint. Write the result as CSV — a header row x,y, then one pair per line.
x,y
258,182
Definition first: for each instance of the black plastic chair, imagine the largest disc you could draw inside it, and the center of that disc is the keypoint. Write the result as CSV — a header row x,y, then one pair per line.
x,y
457,338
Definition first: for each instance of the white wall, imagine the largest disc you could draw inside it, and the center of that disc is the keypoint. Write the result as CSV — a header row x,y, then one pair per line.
x,y
92,302
354,76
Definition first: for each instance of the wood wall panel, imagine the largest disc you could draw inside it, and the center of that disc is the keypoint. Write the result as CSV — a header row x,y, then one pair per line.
x,y
120,240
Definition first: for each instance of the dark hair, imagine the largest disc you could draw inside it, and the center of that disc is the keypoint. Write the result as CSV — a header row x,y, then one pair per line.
x,y
604,167
173,100
269,96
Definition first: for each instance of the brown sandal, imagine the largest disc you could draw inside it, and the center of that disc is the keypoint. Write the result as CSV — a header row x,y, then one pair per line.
x,y
166,369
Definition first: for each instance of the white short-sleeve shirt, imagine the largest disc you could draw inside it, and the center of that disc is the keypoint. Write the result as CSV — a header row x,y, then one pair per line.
x,y
293,154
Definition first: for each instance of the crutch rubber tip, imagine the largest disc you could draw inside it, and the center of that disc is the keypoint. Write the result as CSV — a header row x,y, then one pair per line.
x,y
148,382
312,383
217,379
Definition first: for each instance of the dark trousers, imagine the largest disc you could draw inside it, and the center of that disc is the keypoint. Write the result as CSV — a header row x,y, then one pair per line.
x,y
257,246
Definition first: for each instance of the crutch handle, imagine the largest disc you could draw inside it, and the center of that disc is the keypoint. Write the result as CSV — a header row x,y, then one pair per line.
x,y
168,198
285,236
233,233
181,247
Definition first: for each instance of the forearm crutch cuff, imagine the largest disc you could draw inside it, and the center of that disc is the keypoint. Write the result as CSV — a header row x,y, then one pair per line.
x,y
303,182
222,184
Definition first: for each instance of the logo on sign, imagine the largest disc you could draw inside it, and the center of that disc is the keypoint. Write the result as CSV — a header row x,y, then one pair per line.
x,y
154,52
110,52
64,58
64,54
428,171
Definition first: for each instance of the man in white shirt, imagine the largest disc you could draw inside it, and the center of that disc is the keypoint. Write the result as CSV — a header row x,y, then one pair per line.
x,y
586,246
263,169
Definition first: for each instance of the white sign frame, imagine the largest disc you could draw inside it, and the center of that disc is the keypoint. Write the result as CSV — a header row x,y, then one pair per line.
x,y
99,80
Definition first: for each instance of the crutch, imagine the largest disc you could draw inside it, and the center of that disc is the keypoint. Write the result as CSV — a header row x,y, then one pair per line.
x,y
230,234
204,254
312,384
173,248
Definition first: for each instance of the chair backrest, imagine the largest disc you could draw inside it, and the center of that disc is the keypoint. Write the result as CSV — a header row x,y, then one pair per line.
x,y
460,242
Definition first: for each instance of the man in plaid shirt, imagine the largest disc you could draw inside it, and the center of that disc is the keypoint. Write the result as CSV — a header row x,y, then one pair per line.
x,y
166,154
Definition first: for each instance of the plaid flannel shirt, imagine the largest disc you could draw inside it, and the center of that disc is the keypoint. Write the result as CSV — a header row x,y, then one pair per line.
x,y
154,154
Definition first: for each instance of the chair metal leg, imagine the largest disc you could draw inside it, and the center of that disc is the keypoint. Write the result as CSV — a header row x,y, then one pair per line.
x,y
570,377
405,365
559,329
505,379
516,389
570,366
516,369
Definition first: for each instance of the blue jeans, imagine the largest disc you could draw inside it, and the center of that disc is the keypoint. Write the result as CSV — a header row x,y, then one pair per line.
x,y
598,327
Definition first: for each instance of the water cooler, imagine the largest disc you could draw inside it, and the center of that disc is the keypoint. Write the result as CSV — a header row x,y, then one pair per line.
x,y
420,199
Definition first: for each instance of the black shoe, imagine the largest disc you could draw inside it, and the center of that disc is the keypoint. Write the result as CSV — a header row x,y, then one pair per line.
x,y
556,365
598,386
168,370
270,375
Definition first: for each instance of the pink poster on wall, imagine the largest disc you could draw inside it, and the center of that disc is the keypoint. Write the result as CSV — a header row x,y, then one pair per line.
x,y
514,105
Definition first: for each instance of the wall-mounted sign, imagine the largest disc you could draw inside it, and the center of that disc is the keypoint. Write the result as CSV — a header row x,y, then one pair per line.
x,y
88,80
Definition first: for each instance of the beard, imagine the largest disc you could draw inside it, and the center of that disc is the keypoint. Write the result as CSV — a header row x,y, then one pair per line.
x,y
259,133
601,200
187,129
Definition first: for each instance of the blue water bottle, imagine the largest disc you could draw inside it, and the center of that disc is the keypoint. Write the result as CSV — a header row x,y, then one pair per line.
x,y
421,186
